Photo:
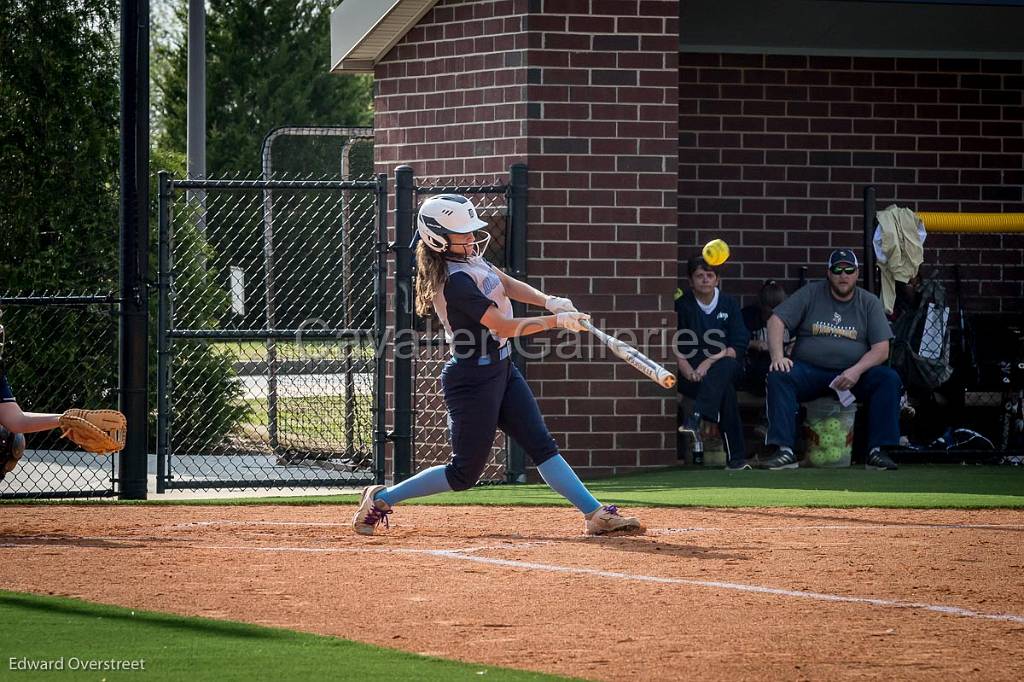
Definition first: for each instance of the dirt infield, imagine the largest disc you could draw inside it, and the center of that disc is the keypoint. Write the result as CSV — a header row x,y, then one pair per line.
x,y
760,594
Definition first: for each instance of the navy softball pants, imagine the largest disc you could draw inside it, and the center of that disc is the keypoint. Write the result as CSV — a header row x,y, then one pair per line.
x,y
715,400
480,399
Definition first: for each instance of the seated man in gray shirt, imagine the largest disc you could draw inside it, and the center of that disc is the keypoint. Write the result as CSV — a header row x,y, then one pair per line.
x,y
842,335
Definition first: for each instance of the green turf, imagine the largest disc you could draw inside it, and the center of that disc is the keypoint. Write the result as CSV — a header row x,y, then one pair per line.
x,y
310,349
920,486
177,648
911,487
320,419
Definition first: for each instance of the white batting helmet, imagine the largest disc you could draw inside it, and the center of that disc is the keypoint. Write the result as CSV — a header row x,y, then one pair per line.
x,y
446,214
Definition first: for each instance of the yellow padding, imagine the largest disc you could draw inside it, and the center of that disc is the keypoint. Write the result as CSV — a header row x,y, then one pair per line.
x,y
972,222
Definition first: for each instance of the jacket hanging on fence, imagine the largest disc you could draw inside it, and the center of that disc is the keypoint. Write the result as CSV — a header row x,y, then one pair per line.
x,y
900,251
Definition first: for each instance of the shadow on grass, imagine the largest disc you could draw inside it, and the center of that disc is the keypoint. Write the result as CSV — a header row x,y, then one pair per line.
x,y
774,515
965,480
181,647
184,624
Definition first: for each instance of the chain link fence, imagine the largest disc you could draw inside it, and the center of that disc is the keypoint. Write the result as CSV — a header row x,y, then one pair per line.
x,y
961,361
269,322
60,352
431,446
963,372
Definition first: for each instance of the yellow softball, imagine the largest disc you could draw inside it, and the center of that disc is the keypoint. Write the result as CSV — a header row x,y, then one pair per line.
x,y
715,252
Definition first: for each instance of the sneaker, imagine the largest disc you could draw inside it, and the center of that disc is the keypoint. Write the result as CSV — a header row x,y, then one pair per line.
x,y
371,513
907,411
784,458
880,461
739,466
607,520
691,426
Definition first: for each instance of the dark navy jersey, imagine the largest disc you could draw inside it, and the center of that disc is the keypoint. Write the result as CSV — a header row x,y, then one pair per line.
x,y
705,334
6,395
472,288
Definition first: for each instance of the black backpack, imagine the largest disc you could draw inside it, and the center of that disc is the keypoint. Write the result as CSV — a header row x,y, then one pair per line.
x,y
923,365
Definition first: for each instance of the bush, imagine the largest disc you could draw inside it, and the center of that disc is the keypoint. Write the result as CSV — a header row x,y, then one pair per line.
x,y
207,398
205,392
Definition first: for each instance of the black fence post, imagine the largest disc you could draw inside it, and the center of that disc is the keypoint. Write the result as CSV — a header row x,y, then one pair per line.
x,y
869,234
515,257
163,418
380,299
133,380
405,341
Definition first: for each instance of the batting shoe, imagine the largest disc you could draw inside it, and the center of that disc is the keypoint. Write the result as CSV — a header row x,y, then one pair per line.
x,y
371,513
606,519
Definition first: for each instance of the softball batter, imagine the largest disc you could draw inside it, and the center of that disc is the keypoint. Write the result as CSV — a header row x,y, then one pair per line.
x,y
483,390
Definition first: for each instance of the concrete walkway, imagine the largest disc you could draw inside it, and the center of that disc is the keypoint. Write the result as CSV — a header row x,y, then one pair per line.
x,y
47,471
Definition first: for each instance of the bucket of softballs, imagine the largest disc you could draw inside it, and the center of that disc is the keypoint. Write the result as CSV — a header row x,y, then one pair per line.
x,y
829,432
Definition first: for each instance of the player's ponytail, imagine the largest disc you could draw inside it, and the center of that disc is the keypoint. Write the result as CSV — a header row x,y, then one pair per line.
x,y
431,275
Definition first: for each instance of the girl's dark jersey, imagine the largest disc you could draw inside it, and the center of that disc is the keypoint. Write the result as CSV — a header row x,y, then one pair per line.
x,y
710,332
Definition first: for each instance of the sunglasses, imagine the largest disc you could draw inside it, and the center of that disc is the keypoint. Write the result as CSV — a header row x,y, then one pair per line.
x,y
843,269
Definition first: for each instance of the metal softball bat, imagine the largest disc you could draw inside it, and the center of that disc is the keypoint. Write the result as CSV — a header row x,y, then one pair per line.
x,y
640,362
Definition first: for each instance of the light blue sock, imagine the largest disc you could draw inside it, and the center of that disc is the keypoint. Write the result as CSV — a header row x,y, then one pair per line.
x,y
557,473
427,482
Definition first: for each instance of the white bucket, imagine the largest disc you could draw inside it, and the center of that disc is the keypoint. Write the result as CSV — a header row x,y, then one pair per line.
x,y
828,430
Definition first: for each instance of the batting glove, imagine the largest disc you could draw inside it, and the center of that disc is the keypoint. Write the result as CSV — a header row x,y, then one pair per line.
x,y
571,321
556,305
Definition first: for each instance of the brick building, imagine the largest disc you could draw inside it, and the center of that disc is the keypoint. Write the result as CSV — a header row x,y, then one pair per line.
x,y
651,126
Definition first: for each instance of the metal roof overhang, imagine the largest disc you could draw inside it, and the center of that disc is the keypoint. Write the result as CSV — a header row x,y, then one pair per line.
x,y
362,31
985,29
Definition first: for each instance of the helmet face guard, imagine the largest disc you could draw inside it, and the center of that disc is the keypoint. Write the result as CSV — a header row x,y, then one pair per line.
x,y
446,214
479,246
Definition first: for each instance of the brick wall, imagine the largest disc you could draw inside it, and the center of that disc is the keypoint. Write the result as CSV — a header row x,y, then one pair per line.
x,y
449,100
602,90
450,97
775,152
584,92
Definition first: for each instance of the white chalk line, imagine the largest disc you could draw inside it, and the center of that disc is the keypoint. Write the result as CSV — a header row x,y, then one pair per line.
x,y
62,541
372,550
225,522
739,587
466,554
655,531
851,526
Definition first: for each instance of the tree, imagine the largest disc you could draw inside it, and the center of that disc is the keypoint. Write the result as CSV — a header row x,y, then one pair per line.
x,y
58,196
58,145
267,66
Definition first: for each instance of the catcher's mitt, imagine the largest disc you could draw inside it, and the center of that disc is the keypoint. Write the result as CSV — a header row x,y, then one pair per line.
x,y
101,431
